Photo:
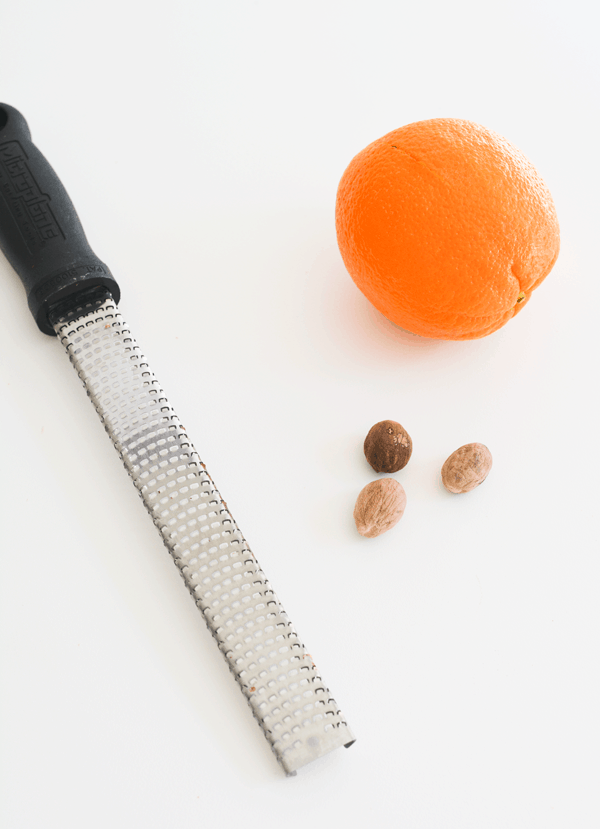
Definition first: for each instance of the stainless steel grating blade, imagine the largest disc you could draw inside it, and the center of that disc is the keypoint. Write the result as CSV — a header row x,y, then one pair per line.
x,y
287,696
72,294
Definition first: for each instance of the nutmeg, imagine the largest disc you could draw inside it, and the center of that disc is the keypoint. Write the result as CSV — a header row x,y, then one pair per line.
x,y
388,446
379,507
466,468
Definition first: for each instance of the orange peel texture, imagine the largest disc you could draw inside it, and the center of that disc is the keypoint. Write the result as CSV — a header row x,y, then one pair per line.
x,y
446,228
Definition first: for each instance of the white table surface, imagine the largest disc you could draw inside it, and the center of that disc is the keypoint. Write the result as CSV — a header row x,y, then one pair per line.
x,y
202,144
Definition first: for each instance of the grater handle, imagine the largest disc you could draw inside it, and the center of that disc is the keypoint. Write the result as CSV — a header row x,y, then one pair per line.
x,y
40,232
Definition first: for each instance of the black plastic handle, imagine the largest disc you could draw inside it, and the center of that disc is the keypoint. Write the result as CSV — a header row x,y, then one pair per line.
x,y
40,232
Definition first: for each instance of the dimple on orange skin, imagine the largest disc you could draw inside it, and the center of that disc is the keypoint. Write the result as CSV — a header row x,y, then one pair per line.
x,y
446,228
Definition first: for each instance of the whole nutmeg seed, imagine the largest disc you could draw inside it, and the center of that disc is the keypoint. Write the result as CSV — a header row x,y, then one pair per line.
x,y
466,468
388,446
379,507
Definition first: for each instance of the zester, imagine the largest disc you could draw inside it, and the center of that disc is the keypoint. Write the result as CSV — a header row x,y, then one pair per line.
x,y
73,295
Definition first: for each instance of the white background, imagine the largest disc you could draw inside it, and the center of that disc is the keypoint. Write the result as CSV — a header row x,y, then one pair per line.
x,y
202,144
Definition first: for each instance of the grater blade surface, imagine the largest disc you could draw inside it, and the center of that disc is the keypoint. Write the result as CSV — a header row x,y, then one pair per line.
x,y
276,674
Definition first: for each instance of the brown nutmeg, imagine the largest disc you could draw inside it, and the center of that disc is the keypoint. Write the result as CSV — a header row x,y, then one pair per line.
x,y
466,468
388,446
379,507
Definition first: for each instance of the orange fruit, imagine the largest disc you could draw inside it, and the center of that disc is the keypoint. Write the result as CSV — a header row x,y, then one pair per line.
x,y
446,228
